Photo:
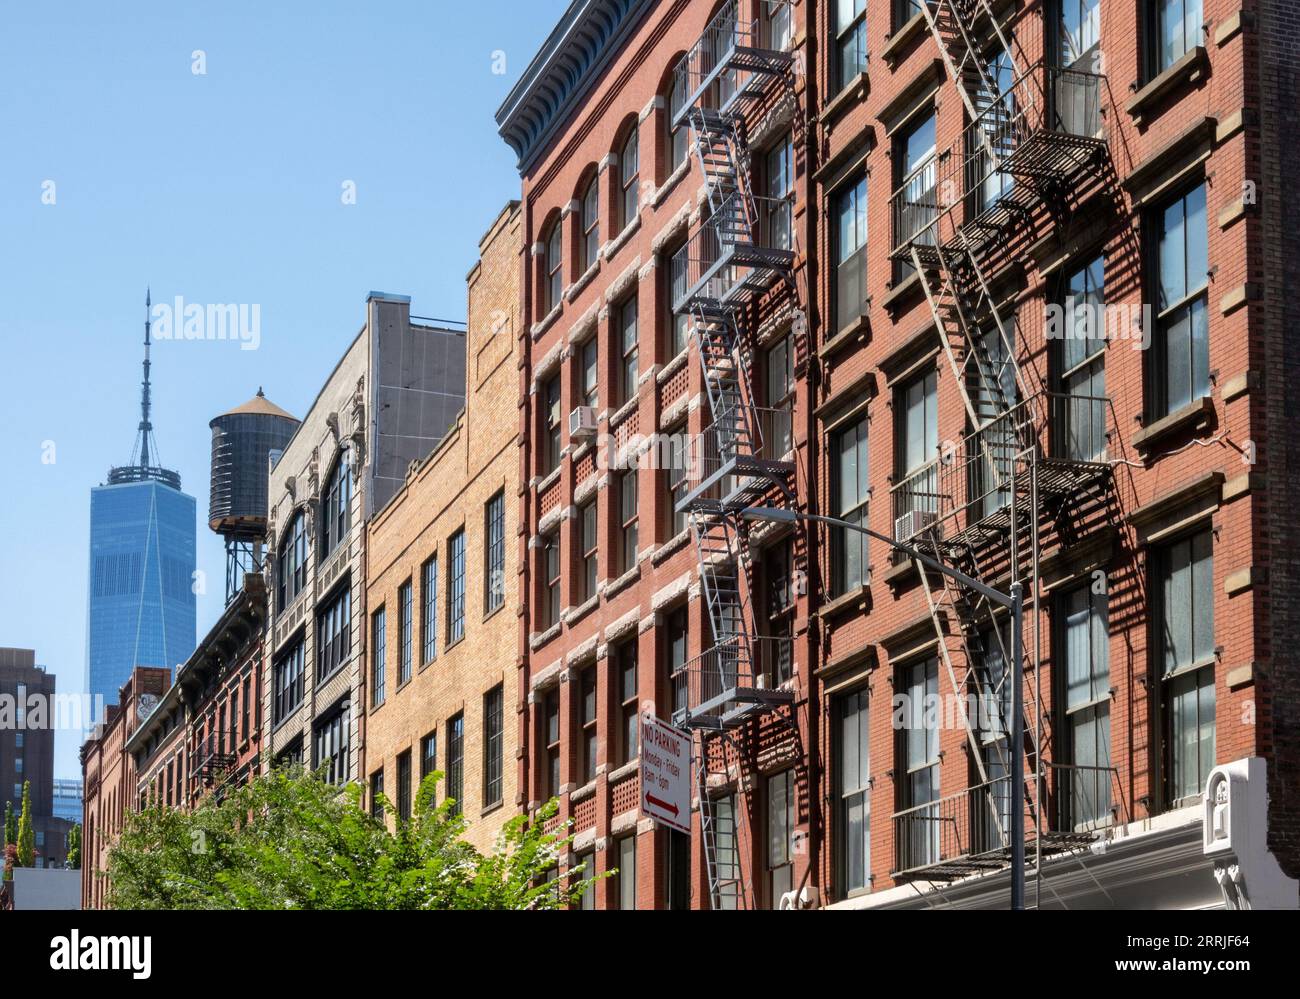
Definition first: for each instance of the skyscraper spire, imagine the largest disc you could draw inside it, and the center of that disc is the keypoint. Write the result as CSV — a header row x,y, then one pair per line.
x,y
144,456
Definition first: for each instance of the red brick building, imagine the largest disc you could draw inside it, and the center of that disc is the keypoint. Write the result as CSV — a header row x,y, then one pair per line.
x,y
1001,281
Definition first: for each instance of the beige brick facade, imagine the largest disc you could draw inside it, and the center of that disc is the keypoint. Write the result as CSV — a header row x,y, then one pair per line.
x,y
450,492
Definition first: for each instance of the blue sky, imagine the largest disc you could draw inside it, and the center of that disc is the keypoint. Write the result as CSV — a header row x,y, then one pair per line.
x,y
224,187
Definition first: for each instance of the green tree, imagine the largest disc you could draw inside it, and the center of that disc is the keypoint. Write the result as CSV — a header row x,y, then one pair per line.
x,y
291,840
11,824
74,847
26,834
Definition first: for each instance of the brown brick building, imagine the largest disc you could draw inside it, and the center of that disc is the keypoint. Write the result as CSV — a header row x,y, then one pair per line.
x,y
442,582
1011,291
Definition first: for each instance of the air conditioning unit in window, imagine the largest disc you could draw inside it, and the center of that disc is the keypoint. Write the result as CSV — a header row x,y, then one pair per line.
x,y
912,523
582,422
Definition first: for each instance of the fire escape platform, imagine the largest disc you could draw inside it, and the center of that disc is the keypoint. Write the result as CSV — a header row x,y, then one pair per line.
x,y
965,865
732,707
754,475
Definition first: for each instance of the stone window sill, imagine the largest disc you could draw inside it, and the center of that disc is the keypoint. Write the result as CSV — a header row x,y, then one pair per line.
x,y
547,321
575,289
1188,69
1195,415
903,290
671,546
900,42
542,637
853,92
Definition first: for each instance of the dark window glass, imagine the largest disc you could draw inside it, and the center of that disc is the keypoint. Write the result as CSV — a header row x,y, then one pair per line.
x,y
456,591
494,555
493,746
456,761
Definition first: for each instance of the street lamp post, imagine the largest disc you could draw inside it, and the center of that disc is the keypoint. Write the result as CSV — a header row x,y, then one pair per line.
x,y
1013,601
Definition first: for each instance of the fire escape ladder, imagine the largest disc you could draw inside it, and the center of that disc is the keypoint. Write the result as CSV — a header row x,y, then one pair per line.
x,y
723,868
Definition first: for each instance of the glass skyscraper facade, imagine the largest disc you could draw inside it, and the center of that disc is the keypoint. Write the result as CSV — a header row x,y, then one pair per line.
x,y
141,597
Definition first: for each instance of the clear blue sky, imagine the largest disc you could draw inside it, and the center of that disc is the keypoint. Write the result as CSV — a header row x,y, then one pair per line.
x,y
221,188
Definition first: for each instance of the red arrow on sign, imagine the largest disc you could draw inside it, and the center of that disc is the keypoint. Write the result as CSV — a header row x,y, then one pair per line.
x,y
652,800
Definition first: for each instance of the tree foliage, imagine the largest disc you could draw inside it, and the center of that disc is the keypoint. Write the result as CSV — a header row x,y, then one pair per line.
x,y
74,847
26,832
291,840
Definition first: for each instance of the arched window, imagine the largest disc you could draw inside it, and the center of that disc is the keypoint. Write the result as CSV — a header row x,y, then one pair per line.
x,y
629,168
678,137
591,223
291,563
553,286
336,507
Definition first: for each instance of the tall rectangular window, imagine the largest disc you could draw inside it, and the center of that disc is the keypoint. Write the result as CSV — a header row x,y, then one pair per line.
x,y
590,544
587,694
727,838
627,872
332,746
428,755
628,349
627,506
850,493
679,135
1181,371
779,389
551,735
624,659
777,658
404,786
916,206
917,831
675,654
247,702
780,831
629,170
334,634
591,373
1175,31
1083,371
554,286
456,591
677,478
853,792
429,610
551,426
288,681
378,655
591,223
916,455
550,615
493,745
376,790
494,554
677,288
778,208
404,624
1085,703
456,761
1185,584
850,234
850,41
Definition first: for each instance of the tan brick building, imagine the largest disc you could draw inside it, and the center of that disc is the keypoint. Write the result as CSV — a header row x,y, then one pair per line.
x,y
441,582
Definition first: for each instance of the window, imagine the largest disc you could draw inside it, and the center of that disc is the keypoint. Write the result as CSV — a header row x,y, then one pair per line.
x,y
627,506
629,165
429,759
624,659
1085,702
680,317
247,701
1082,426
334,633
376,789
456,595
850,41
404,640
987,184
589,751
493,746
627,873
917,825
551,422
429,611
778,598
550,616
494,552
1079,34
904,11
590,374
677,479
916,453
404,786
627,340
778,208
850,233
916,207
1185,643
776,24
591,223
587,900
332,746
590,543
780,832
234,719
289,680
1182,341
675,655
551,735
850,493
554,285
853,792
291,567
1177,30
456,761
778,436
727,849
678,136
678,871
336,515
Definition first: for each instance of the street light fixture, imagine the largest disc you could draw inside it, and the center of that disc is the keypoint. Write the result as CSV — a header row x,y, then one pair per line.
x,y
1014,601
